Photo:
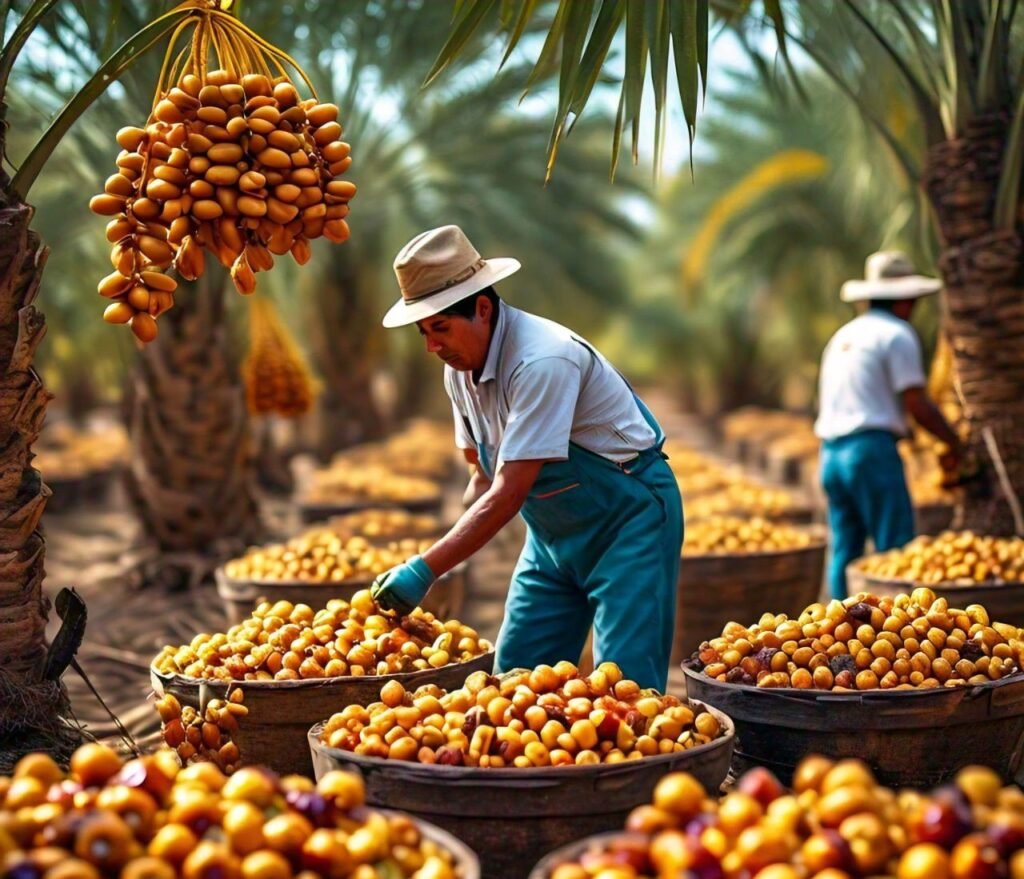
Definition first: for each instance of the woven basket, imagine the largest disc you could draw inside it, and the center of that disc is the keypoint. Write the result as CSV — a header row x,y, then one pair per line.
x,y
785,469
909,738
717,589
273,733
933,518
571,853
317,511
1004,601
445,600
465,862
510,817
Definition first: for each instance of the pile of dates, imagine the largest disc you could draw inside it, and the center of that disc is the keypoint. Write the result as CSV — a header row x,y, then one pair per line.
x,y
321,555
957,557
838,823
385,524
150,819
376,483
286,642
867,642
550,716
203,735
735,534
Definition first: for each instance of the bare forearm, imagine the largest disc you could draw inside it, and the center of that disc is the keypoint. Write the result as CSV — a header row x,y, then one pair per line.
x,y
485,518
478,484
930,418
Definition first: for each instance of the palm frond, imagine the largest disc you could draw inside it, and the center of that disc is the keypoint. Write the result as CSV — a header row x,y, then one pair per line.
x,y
579,43
22,31
129,52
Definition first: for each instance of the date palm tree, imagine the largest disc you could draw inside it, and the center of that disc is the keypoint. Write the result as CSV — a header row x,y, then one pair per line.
x,y
32,699
190,470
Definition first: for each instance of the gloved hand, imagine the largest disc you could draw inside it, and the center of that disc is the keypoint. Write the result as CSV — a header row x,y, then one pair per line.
x,y
403,587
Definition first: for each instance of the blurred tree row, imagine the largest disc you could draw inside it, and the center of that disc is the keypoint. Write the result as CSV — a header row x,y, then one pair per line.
x,y
957,66
746,255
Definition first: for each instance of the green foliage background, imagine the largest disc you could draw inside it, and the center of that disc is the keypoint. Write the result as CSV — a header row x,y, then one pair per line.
x,y
604,257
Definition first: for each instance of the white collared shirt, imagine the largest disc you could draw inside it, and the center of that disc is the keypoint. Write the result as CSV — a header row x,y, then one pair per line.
x,y
866,366
541,387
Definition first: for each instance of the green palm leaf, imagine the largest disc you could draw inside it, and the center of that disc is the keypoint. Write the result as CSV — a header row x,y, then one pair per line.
x,y
579,42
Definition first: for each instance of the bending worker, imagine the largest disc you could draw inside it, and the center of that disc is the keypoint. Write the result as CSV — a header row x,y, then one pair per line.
x,y
871,375
552,431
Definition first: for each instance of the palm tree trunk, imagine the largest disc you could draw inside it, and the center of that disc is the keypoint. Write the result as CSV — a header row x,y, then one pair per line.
x,y
191,467
346,336
31,707
983,271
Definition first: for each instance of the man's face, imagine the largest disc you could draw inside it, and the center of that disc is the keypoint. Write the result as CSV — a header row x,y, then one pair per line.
x,y
904,308
458,341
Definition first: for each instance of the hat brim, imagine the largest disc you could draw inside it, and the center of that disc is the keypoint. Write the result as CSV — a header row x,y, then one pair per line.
x,y
908,287
402,314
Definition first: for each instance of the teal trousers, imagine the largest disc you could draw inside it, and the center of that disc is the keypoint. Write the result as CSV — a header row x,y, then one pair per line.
x,y
602,547
862,475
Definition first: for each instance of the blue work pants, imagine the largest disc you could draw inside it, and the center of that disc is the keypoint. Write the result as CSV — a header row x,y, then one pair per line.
x,y
602,546
863,478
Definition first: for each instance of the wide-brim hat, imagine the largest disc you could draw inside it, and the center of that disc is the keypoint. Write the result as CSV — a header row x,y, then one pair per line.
x,y
437,269
889,274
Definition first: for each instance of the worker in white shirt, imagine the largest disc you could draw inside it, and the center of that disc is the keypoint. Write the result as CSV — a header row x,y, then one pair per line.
x,y
872,374
555,433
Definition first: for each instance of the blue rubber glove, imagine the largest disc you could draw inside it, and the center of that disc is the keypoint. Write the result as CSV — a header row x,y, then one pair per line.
x,y
403,587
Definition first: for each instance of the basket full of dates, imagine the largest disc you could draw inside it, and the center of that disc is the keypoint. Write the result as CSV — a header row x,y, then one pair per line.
x,y
915,687
838,823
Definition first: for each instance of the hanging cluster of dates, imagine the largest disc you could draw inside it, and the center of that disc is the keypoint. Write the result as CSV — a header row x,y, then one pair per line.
x,y
232,162
277,378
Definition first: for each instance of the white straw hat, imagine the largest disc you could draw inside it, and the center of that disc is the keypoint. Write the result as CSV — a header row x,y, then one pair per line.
x,y
437,269
889,274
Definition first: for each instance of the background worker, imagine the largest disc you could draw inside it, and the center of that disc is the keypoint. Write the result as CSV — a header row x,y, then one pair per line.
x,y
555,433
872,373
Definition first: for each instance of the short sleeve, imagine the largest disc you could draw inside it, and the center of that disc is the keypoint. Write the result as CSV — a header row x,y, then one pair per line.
x,y
542,405
905,362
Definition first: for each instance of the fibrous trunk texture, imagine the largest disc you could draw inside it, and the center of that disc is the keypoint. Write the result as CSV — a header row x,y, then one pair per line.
x,y
983,270
32,709
346,336
191,467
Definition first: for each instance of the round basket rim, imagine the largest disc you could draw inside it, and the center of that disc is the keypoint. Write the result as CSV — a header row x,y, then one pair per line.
x,y
950,585
223,579
798,511
852,696
355,504
935,505
438,835
545,866
818,543
452,773
172,678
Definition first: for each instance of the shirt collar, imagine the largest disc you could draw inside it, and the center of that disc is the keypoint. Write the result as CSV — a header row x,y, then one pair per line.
x,y
490,370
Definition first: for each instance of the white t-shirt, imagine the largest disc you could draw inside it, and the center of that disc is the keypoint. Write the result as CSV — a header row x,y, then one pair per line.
x,y
866,366
542,386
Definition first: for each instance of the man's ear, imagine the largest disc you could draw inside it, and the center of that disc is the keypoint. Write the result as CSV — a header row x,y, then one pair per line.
x,y
484,307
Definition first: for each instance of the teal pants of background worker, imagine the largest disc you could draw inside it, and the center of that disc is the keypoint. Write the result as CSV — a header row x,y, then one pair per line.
x,y
863,478
602,547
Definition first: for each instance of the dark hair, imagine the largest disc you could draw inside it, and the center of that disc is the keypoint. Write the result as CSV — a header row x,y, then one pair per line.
x,y
467,307
883,304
